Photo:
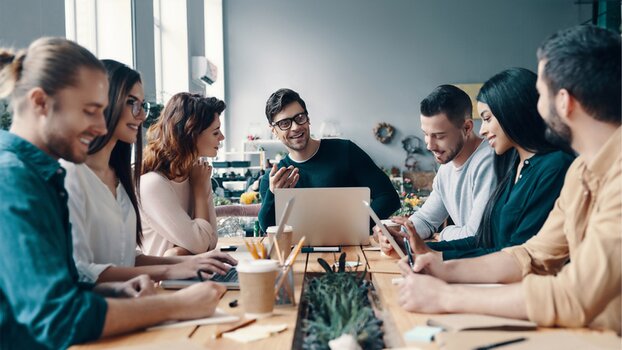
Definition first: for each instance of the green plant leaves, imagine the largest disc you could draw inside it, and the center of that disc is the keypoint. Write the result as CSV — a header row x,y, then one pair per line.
x,y
338,303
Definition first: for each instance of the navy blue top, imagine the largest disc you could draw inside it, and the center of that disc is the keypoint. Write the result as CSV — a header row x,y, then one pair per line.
x,y
522,208
42,305
337,163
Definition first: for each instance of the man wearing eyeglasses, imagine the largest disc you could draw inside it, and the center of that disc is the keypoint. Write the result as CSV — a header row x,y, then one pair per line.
x,y
317,163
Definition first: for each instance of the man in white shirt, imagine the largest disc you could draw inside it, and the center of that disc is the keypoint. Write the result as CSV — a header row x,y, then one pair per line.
x,y
466,176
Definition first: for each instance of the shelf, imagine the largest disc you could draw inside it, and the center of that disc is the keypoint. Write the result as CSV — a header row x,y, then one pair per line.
x,y
254,167
238,152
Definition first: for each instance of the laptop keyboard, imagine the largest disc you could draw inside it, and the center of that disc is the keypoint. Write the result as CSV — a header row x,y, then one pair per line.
x,y
230,276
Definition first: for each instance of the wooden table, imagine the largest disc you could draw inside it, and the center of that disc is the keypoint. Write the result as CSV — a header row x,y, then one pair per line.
x,y
383,271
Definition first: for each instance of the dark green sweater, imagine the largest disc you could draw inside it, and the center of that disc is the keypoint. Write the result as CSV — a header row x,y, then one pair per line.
x,y
337,163
521,210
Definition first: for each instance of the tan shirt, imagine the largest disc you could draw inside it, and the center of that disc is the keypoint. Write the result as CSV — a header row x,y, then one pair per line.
x,y
584,226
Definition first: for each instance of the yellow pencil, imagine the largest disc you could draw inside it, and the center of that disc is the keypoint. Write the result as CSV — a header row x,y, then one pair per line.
x,y
292,256
251,249
262,248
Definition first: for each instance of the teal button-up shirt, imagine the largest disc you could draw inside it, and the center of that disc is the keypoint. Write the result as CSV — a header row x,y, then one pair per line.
x,y
42,306
522,208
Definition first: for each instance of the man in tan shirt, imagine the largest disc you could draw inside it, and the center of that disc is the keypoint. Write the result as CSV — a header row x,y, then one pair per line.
x,y
569,274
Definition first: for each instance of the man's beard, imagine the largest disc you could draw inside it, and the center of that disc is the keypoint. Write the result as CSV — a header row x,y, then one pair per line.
x,y
558,133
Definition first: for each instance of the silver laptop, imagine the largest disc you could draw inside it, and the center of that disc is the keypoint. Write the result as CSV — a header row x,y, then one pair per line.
x,y
326,216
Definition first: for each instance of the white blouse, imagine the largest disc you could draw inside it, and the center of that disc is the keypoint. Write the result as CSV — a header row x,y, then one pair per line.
x,y
166,214
103,227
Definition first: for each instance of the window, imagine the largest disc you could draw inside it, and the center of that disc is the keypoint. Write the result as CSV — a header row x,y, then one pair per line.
x,y
102,26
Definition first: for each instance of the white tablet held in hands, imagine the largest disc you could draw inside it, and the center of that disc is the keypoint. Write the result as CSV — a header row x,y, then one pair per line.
x,y
384,230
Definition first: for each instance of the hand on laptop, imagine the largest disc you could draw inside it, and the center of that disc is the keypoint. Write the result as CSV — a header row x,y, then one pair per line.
x,y
214,261
284,177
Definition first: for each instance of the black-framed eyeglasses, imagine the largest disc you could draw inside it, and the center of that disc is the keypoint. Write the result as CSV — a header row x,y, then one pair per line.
x,y
138,106
286,124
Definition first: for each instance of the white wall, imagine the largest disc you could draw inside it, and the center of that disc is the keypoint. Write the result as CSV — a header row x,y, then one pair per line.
x,y
365,61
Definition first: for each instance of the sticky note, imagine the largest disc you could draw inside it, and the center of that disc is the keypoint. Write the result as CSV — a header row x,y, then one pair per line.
x,y
422,334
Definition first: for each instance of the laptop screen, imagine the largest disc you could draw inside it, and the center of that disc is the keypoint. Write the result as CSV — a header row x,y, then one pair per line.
x,y
327,216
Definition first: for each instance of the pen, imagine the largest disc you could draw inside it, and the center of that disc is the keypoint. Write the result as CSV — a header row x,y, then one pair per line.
x,y
499,344
228,248
411,262
233,328
320,249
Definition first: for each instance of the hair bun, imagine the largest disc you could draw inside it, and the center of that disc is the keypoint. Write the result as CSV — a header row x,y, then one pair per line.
x,y
6,57
11,65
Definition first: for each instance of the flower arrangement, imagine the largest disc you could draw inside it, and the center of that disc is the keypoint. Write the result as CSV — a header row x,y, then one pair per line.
x,y
410,204
250,197
218,200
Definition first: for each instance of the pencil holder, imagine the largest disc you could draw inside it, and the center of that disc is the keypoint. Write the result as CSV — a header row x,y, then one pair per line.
x,y
285,293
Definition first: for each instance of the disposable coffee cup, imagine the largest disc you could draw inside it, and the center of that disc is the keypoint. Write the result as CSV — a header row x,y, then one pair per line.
x,y
257,278
285,240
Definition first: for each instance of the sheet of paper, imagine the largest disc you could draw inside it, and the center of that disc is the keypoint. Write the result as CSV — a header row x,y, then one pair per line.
x,y
219,316
349,264
255,332
550,339
164,345
423,334
459,322
397,281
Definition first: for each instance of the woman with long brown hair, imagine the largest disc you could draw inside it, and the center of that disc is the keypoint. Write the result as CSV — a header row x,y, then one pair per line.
x,y
103,206
178,215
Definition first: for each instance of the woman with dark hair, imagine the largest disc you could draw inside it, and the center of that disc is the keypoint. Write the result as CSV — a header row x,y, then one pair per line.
x,y
103,206
177,204
530,170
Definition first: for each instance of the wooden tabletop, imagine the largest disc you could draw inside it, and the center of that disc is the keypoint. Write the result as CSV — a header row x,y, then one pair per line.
x,y
383,271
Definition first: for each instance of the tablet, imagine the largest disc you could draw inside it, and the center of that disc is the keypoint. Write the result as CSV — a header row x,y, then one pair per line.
x,y
384,230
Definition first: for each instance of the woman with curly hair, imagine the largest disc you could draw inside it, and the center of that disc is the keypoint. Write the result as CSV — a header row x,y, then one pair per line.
x,y
178,215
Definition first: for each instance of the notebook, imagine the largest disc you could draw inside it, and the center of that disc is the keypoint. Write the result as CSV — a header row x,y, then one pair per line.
x,y
547,339
218,317
326,216
461,322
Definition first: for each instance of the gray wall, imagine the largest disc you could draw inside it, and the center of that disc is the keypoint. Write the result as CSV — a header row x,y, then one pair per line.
x,y
365,61
22,21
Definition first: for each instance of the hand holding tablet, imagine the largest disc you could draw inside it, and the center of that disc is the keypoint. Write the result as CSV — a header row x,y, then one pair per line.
x,y
384,230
